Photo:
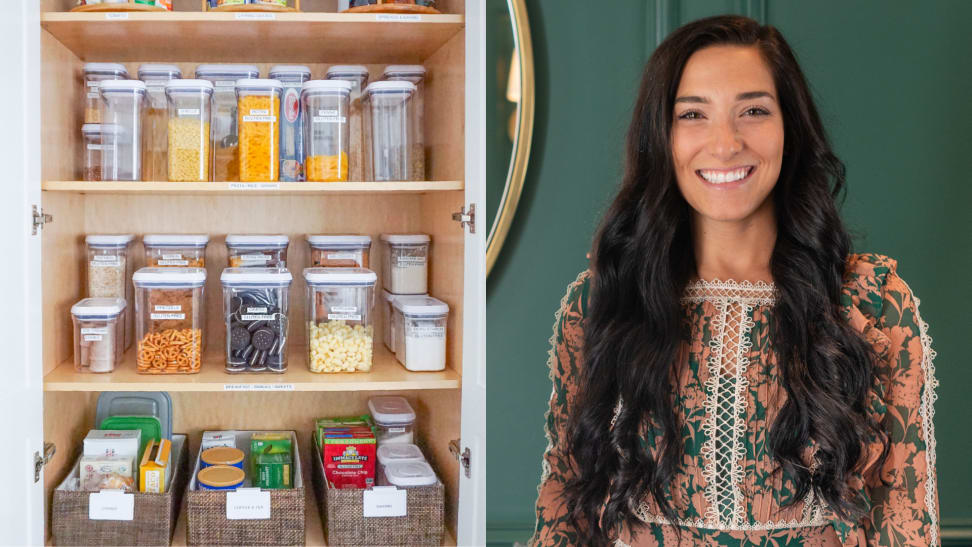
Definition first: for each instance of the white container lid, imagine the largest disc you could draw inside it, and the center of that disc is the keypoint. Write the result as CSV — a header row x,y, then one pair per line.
x,y
91,128
229,72
255,241
175,240
263,277
98,308
410,474
170,277
176,86
390,86
413,306
108,240
105,68
340,276
120,86
107,128
277,71
154,70
405,239
326,86
256,84
338,241
404,70
349,70
399,452
391,410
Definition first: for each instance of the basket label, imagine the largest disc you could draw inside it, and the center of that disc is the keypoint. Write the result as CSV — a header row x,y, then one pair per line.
x,y
385,501
248,503
111,505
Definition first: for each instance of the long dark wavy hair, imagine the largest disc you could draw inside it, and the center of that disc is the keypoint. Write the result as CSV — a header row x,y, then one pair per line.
x,y
642,260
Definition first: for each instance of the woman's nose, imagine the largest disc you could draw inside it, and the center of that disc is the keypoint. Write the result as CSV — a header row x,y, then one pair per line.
x,y
726,141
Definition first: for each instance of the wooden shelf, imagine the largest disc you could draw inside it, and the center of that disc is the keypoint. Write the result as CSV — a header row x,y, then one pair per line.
x,y
387,374
259,37
237,188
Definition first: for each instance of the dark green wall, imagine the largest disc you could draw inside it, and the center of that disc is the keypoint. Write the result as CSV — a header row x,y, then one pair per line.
x,y
891,79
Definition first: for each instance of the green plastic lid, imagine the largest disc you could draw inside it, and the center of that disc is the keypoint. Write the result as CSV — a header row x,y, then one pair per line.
x,y
150,427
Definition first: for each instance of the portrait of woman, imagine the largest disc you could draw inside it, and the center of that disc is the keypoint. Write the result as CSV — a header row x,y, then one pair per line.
x,y
726,370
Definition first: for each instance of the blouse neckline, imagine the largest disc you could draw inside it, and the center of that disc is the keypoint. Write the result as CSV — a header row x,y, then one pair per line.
x,y
759,292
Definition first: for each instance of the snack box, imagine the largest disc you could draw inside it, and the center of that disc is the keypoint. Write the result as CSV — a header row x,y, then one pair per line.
x,y
107,443
106,472
349,456
153,470
212,439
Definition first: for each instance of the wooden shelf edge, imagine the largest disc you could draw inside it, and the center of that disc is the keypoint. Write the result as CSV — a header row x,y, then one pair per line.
x,y
282,188
59,17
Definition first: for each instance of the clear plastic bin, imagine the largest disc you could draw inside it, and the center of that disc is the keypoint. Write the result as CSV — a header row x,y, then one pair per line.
x,y
339,251
390,454
422,321
388,147
225,153
357,76
189,137
326,129
109,267
291,120
410,474
99,334
340,331
257,251
394,420
175,250
92,76
99,142
406,263
156,119
257,114
416,75
170,320
256,310
122,102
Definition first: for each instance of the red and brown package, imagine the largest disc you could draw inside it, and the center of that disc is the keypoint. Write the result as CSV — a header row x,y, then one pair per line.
x,y
349,455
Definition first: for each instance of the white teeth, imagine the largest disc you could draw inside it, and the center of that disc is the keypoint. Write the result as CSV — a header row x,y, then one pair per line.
x,y
723,176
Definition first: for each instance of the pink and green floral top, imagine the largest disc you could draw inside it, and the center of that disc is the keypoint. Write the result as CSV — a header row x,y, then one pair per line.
x,y
726,491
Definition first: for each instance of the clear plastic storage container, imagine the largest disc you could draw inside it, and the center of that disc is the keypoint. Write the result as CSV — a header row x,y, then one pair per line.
x,y
388,147
339,251
257,251
170,320
390,454
416,75
326,129
394,420
291,120
99,148
92,75
256,310
406,263
410,474
257,114
99,334
109,267
189,137
156,119
422,324
357,76
224,130
122,106
340,331
175,250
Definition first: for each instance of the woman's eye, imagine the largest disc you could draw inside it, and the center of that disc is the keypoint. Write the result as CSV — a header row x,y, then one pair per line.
x,y
758,111
690,115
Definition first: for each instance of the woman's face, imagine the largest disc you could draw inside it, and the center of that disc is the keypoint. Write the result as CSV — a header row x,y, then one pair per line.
x,y
727,124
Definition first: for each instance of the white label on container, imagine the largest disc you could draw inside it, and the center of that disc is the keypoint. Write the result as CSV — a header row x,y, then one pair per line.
x,y
258,387
113,264
176,307
93,95
173,256
164,262
255,258
255,16
256,317
253,309
385,501
155,88
259,118
343,256
117,17
188,111
253,186
411,260
330,119
106,258
426,332
396,430
344,309
225,83
111,505
96,147
92,337
167,316
95,84
343,317
248,503
259,112
328,112
94,330
398,17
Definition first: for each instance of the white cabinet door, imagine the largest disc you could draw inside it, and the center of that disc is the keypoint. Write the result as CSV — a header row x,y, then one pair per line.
x,y
21,391
472,487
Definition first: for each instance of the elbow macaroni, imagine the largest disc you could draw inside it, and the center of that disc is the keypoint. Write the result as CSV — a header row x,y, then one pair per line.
x,y
336,346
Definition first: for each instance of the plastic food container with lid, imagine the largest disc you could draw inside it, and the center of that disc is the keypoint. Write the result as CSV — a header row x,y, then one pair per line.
x,y
256,310
421,323
99,149
388,133
170,319
257,251
326,129
340,332
221,455
122,107
339,251
220,477
406,263
389,454
109,267
189,143
291,120
257,114
175,250
416,75
156,119
394,418
92,75
357,76
99,333
410,474
225,151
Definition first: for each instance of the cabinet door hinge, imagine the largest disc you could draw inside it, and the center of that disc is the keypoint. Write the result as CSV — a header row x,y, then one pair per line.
x,y
40,219
465,457
39,462
466,219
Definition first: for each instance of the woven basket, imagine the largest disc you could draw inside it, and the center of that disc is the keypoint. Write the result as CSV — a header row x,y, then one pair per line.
x,y
208,525
342,515
155,514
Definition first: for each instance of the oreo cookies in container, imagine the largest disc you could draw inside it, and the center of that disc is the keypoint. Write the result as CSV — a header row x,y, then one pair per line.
x,y
256,310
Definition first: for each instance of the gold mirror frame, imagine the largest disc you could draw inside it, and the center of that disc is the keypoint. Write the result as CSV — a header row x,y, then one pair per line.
x,y
523,46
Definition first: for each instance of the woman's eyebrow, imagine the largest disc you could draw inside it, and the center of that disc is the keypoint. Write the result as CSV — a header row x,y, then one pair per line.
x,y
741,97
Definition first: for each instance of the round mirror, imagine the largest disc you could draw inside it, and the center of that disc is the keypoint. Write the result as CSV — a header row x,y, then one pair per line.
x,y
509,116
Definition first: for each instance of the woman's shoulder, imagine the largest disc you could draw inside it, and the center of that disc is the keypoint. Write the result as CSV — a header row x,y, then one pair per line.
x,y
576,297
873,289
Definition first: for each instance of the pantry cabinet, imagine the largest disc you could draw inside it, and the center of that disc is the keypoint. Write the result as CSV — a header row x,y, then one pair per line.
x,y
46,401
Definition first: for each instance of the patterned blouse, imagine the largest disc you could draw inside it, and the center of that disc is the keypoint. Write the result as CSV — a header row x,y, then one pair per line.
x,y
725,492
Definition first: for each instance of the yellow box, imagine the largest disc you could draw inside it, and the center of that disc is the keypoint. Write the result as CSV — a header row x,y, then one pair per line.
x,y
153,471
